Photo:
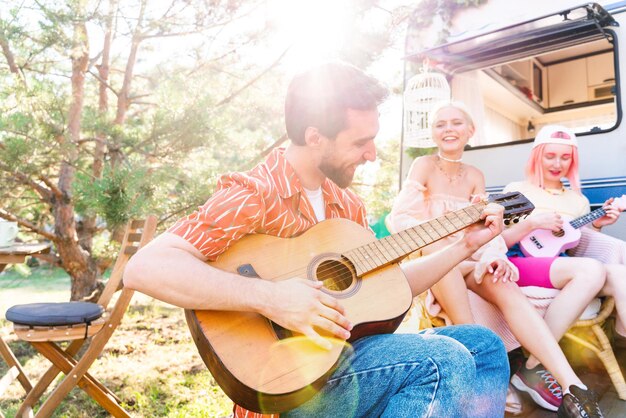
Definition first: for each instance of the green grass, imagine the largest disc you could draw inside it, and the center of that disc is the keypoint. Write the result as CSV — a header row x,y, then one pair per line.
x,y
150,362
44,284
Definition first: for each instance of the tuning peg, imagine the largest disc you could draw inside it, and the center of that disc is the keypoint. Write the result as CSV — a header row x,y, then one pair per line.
x,y
513,220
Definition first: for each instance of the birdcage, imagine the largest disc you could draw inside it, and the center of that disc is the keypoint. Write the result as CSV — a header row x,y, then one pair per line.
x,y
423,91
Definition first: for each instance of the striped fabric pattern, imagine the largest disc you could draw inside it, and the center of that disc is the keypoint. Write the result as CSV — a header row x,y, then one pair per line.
x,y
593,244
268,199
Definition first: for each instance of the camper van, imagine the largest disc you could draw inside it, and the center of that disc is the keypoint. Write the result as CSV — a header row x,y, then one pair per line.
x,y
539,62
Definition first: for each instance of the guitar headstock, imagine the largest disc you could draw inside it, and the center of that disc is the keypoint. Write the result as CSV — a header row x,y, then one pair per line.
x,y
516,206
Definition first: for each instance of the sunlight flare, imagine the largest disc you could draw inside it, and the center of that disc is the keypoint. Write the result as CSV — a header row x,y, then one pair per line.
x,y
315,29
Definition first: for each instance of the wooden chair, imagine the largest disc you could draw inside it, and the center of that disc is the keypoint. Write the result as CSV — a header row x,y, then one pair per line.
x,y
39,324
588,331
15,370
590,334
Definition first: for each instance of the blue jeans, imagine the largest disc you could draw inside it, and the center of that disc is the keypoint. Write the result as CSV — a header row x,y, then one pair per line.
x,y
458,371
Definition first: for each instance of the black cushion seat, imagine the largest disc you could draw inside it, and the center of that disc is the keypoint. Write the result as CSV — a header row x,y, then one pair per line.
x,y
54,313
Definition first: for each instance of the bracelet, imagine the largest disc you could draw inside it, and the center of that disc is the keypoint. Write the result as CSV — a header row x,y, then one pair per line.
x,y
595,227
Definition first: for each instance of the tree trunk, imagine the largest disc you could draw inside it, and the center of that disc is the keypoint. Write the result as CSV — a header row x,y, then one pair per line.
x,y
88,228
123,102
123,96
74,259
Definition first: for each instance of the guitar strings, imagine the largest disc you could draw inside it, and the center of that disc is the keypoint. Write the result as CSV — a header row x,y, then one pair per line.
x,y
342,273
380,253
395,245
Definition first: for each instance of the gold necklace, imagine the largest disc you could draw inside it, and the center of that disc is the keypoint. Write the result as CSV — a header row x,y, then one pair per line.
x,y
555,192
451,178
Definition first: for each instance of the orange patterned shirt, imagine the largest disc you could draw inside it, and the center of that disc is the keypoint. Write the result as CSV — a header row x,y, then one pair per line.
x,y
268,199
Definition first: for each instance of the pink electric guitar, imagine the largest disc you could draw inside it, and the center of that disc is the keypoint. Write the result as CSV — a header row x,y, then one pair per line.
x,y
546,243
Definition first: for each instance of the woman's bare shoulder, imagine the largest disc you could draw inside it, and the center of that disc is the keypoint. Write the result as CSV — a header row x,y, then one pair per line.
x,y
421,166
474,173
424,161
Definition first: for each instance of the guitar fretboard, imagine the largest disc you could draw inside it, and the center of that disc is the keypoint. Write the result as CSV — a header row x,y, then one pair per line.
x,y
393,248
585,219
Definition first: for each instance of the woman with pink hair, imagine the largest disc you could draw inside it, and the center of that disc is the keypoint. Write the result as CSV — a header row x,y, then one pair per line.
x,y
554,157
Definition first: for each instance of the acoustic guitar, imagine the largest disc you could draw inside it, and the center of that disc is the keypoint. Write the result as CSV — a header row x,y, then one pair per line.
x,y
547,243
266,368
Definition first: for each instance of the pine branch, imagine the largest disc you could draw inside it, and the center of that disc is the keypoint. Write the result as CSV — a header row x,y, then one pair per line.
x,y
24,179
8,54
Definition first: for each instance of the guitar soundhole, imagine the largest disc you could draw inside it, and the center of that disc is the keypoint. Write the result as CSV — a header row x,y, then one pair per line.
x,y
336,275
558,233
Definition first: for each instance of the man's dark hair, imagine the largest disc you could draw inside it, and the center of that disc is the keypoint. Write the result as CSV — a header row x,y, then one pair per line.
x,y
320,97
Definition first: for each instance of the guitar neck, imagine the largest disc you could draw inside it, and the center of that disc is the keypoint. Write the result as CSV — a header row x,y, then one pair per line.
x,y
585,219
395,247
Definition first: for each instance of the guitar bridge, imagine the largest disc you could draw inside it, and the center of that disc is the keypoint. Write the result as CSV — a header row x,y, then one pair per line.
x,y
246,270
281,332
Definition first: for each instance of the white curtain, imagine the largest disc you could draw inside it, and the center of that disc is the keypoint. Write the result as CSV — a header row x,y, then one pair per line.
x,y
492,126
499,128
466,89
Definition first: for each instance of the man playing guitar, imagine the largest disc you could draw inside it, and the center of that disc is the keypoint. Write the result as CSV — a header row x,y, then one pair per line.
x,y
332,119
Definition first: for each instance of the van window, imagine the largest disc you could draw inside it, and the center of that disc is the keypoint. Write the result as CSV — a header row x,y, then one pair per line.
x,y
573,86
554,69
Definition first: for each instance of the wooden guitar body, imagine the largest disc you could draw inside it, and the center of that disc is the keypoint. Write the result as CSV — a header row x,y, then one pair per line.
x,y
250,359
